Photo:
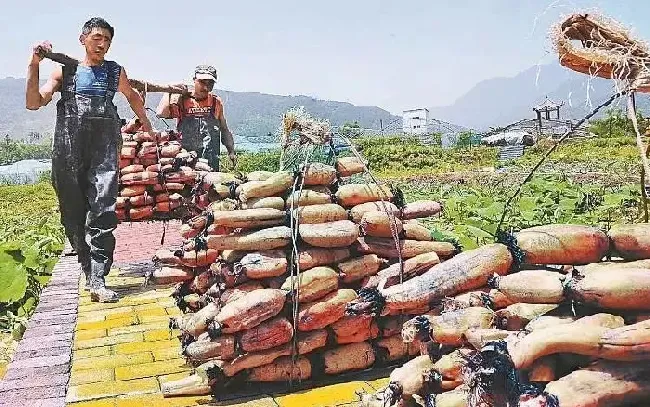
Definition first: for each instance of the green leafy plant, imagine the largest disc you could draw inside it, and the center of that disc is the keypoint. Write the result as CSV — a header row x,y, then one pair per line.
x,y
473,208
31,239
616,124
247,162
350,129
13,151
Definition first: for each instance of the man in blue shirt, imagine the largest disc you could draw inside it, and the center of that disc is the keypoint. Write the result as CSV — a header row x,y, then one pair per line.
x,y
86,147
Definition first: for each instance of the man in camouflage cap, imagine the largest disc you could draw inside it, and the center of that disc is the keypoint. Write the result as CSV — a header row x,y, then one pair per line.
x,y
201,118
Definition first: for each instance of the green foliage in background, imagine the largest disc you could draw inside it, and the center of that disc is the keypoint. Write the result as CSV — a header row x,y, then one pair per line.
x,y
31,239
615,155
350,129
472,209
13,151
616,124
248,162
395,156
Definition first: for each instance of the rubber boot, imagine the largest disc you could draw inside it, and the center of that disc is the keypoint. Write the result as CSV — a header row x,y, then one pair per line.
x,y
99,292
103,294
87,284
85,267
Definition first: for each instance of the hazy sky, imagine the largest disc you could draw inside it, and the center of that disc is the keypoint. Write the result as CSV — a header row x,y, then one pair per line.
x,y
394,54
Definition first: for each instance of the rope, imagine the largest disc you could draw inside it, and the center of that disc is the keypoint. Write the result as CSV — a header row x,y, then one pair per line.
x,y
144,93
164,184
391,215
282,151
127,210
162,119
645,167
566,135
295,262
164,180
294,226
644,191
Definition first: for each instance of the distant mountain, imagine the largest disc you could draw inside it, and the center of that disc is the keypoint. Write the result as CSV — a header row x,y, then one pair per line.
x,y
501,101
251,115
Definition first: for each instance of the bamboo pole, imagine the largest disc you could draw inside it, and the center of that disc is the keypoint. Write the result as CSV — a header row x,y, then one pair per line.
x,y
136,84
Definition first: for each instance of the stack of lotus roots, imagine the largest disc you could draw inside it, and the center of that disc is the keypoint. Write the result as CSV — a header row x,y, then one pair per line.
x,y
556,315
158,178
266,273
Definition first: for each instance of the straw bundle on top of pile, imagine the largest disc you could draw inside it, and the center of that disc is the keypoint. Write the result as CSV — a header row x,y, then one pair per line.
x,y
601,47
309,129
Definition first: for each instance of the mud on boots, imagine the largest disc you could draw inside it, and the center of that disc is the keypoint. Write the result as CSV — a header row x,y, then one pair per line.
x,y
86,147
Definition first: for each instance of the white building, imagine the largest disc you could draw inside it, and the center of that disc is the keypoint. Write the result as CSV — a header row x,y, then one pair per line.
x,y
415,121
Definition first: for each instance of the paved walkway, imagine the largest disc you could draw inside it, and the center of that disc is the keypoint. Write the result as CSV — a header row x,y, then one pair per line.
x,y
83,354
39,372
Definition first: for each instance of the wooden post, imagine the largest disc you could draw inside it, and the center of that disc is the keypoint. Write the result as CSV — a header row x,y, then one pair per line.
x,y
539,122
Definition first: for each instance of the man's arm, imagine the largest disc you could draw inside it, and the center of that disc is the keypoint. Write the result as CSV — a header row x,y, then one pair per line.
x,y
163,111
168,108
36,98
136,102
226,136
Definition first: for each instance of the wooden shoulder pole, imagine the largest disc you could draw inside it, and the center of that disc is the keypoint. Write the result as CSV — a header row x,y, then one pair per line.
x,y
136,84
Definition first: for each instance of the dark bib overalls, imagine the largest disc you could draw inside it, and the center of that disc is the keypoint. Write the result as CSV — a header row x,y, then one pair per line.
x,y
85,166
201,132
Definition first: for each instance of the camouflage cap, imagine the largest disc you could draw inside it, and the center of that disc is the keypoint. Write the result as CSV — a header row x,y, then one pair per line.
x,y
205,72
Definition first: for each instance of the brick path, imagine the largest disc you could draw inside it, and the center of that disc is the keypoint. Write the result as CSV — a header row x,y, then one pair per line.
x,y
117,355
39,371
137,242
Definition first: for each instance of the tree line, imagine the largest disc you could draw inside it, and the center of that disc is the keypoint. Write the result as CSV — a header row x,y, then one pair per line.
x,y
34,147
